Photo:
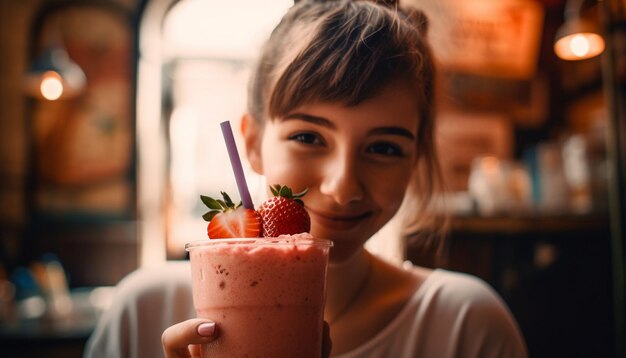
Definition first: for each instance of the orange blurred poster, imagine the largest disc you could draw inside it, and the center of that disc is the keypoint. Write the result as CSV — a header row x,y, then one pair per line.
x,y
486,37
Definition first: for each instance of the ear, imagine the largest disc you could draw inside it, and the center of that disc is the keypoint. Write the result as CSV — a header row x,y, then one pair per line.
x,y
252,134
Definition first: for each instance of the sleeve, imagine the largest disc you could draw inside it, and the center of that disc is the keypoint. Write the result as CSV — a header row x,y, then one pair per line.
x,y
146,302
483,326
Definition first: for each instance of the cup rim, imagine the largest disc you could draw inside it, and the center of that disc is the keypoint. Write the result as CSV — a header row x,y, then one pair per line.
x,y
258,241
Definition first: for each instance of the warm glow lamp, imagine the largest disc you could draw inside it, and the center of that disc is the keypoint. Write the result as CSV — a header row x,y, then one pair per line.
x,y
577,38
53,75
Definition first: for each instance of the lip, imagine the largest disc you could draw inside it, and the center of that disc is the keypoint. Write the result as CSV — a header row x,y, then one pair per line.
x,y
338,221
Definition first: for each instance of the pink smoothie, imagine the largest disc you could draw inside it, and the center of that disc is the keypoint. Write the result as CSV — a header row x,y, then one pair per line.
x,y
266,295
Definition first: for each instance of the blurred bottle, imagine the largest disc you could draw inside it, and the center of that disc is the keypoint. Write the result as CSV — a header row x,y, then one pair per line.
x,y
519,188
28,294
598,164
53,281
577,174
549,186
499,186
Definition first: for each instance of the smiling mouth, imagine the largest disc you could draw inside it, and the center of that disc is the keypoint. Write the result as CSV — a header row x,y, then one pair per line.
x,y
338,221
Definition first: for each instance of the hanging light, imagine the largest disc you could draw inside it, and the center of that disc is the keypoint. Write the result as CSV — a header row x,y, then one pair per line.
x,y
577,38
53,75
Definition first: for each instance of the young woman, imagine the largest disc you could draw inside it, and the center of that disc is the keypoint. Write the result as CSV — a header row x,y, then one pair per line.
x,y
342,103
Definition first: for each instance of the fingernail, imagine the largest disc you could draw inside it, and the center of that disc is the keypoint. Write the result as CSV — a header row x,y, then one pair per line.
x,y
206,329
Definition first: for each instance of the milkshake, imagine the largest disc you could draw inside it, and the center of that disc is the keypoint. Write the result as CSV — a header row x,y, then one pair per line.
x,y
266,294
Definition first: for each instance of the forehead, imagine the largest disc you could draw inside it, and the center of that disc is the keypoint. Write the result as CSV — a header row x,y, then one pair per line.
x,y
394,105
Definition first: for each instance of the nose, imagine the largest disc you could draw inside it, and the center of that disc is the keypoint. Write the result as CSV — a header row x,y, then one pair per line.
x,y
341,180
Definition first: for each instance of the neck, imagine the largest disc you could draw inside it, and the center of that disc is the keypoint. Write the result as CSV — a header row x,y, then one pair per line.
x,y
344,281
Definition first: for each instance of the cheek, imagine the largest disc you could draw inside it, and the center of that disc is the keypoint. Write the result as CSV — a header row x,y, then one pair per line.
x,y
388,187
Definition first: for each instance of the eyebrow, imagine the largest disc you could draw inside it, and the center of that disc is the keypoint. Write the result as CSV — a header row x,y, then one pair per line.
x,y
393,131
309,118
321,121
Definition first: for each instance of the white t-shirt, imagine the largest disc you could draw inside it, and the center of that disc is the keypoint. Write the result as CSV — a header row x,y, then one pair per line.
x,y
450,315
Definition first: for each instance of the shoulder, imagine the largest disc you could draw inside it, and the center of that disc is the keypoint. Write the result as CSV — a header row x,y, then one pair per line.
x,y
152,292
151,287
474,315
462,289
149,284
167,275
465,295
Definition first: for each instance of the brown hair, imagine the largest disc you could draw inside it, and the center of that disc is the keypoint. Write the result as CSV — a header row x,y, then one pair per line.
x,y
346,51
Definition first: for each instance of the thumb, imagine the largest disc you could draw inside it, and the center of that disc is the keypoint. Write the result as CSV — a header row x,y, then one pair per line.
x,y
177,338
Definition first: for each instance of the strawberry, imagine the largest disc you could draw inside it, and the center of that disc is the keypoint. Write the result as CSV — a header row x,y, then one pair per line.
x,y
227,220
284,214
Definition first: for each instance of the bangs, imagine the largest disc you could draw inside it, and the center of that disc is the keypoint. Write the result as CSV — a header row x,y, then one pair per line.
x,y
352,55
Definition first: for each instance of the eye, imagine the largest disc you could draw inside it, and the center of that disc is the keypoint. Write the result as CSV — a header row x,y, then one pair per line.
x,y
386,149
307,138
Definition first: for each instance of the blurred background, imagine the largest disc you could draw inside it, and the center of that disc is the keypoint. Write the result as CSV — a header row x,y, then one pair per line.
x,y
108,134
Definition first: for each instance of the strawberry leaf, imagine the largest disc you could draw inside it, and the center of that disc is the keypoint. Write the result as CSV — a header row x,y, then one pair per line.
x,y
228,200
217,206
210,202
301,194
208,216
286,192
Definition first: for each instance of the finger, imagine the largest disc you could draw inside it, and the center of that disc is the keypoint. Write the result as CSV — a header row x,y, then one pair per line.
x,y
195,351
327,344
177,338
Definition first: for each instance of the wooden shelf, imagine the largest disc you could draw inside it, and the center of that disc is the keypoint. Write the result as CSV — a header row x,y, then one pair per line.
x,y
529,224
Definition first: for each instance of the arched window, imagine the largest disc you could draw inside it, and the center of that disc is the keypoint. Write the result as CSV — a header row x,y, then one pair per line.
x,y
195,58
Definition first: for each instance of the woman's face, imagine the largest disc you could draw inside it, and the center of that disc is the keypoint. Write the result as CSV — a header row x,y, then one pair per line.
x,y
356,161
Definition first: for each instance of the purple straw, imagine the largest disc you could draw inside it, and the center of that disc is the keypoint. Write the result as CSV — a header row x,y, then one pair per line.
x,y
235,162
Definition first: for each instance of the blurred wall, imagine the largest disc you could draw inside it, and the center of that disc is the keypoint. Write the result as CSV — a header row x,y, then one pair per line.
x,y
84,246
14,32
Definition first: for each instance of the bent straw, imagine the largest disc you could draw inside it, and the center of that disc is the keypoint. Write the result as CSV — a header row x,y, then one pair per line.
x,y
235,162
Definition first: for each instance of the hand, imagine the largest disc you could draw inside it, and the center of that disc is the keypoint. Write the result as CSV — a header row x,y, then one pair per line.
x,y
327,345
183,339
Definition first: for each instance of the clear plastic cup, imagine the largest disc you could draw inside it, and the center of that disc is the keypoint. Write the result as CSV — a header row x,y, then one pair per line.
x,y
266,295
